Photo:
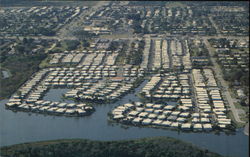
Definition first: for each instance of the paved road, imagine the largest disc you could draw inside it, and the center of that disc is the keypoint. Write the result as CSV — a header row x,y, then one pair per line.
x,y
218,73
223,36
217,69
134,36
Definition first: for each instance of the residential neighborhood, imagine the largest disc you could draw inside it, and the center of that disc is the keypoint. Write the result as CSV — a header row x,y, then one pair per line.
x,y
169,66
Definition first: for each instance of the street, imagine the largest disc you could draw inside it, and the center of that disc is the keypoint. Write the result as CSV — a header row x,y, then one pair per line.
x,y
218,73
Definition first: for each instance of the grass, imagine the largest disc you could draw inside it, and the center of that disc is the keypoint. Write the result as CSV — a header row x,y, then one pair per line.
x,y
63,46
232,92
121,56
239,106
45,62
240,50
243,116
237,124
21,68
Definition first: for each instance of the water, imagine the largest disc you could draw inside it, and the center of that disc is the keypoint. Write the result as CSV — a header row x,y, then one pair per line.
x,y
20,127
56,95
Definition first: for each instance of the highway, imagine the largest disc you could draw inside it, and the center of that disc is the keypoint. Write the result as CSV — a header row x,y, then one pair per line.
x,y
130,37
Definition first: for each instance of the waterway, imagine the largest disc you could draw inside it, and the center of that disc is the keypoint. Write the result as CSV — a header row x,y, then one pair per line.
x,y
20,127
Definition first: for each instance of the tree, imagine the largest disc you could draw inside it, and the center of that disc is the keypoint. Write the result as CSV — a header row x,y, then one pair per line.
x,y
244,80
20,49
83,35
25,40
85,43
71,44
236,75
113,45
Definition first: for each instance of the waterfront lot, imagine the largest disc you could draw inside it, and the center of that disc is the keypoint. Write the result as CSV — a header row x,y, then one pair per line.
x,y
95,76
121,70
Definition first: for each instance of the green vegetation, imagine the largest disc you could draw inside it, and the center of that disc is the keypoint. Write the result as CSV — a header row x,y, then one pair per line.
x,y
45,63
135,55
70,44
243,116
199,53
21,67
114,45
122,54
138,81
234,122
83,35
147,147
234,62
21,60
237,75
195,51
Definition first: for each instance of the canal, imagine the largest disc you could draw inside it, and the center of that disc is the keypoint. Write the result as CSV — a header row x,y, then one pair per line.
x,y
20,127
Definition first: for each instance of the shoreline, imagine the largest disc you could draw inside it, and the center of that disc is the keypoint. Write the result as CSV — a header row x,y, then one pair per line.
x,y
64,146
178,129
246,129
50,113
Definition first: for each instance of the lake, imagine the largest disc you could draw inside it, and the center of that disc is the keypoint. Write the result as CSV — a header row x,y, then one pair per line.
x,y
20,127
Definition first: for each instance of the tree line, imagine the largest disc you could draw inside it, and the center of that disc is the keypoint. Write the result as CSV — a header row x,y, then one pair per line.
x,y
147,147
